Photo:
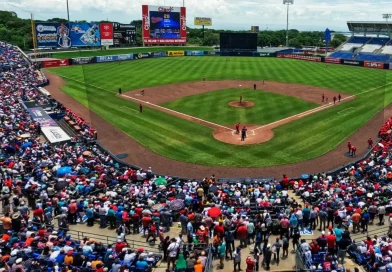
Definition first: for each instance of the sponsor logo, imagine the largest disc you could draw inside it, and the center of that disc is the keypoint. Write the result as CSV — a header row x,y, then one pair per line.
x,y
350,62
82,60
42,28
264,54
301,57
106,27
143,55
159,54
162,9
332,60
77,29
145,21
176,53
370,64
183,23
105,58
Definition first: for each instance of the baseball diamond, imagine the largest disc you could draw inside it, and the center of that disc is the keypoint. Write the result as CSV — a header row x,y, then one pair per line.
x,y
181,91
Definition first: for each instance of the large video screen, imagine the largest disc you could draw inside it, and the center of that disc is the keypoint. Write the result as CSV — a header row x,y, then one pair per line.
x,y
164,25
238,41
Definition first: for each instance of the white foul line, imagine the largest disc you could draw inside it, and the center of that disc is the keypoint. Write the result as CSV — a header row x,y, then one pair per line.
x,y
339,112
176,112
321,107
130,109
145,102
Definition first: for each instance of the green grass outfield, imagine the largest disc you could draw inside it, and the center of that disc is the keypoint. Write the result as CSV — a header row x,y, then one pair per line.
x,y
94,53
303,139
213,106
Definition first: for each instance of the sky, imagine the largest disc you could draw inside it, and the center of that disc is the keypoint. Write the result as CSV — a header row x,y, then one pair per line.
x,y
305,15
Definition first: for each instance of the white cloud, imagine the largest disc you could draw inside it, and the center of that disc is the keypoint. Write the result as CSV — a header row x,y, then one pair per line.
x,y
228,14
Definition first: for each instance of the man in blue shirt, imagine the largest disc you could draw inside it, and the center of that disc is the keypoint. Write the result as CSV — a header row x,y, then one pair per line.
x,y
141,264
306,215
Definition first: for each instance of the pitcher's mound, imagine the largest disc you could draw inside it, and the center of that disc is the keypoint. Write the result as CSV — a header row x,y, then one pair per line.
x,y
244,104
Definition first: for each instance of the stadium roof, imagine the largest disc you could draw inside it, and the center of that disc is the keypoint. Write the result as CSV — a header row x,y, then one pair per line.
x,y
370,27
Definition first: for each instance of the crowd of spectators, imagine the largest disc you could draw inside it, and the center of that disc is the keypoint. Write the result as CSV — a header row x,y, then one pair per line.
x,y
45,188
10,56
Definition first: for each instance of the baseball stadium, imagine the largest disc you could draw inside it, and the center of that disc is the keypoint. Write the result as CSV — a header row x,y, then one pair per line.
x,y
125,147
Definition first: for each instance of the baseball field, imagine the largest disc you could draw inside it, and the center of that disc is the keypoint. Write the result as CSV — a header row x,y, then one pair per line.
x,y
187,119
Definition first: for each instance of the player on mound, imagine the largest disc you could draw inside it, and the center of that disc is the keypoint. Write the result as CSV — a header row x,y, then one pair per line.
x,y
243,133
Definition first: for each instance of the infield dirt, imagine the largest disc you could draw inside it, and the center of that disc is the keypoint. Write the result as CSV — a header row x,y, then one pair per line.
x,y
118,142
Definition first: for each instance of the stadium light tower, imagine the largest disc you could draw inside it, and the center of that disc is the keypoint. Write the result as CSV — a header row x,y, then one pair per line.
x,y
387,16
287,3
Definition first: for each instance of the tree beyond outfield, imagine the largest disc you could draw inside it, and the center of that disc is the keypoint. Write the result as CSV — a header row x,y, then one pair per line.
x,y
17,31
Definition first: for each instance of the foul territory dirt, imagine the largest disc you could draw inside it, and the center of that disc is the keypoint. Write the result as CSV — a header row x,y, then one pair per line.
x,y
118,142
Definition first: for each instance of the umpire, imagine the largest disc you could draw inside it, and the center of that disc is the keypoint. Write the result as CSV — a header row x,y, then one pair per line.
x,y
243,133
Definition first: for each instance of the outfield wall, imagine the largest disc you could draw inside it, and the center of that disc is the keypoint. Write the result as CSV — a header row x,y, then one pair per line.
x,y
193,53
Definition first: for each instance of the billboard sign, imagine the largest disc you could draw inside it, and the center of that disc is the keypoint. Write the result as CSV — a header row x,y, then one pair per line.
x,y
124,34
372,64
83,60
114,58
106,30
55,63
52,35
163,25
83,35
176,53
203,21
351,62
331,60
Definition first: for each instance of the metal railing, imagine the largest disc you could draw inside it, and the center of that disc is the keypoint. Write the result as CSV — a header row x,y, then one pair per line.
x,y
209,266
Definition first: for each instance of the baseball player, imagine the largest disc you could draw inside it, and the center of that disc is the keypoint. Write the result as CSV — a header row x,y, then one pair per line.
x,y
334,100
243,133
322,98
349,145
240,98
119,91
353,150
370,143
237,127
339,97
140,107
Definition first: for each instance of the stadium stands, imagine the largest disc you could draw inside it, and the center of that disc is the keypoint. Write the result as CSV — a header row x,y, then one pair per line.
x,y
342,55
372,57
369,48
358,40
380,41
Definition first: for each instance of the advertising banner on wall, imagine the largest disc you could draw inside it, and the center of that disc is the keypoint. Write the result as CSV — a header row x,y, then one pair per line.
x,y
159,54
163,25
203,21
352,62
114,58
106,30
390,66
55,63
195,53
142,56
301,57
372,64
83,35
210,53
124,34
52,35
83,60
331,60
176,53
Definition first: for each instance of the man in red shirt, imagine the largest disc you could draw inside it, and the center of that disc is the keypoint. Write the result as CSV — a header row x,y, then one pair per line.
x,y
119,246
72,209
331,240
353,150
284,224
242,234
136,223
146,221
285,182
139,211
39,213
220,230
237,128
349,147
